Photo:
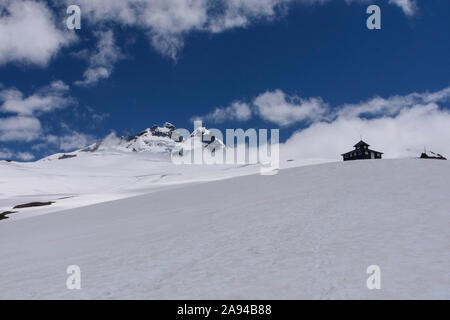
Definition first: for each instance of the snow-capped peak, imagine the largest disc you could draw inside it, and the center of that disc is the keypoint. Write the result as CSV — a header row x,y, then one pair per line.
x,y
207,138
156,140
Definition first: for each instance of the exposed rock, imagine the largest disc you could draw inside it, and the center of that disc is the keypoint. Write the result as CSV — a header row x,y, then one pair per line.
x,y
169,126
432,155
92,148
33,204
3,215
67,156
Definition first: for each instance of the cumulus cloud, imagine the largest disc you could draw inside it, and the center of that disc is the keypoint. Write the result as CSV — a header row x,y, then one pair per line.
x,y
48,98
392,105
416,121
237,111
20,128
24,125
5,153
167,22
399,126
25,156
73,141
403,135
409,7
277,107
272,106
70,139
102,60
284,110
28,33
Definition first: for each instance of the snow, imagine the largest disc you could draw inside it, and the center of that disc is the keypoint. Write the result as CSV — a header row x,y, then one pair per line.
x,y
94,177
306,232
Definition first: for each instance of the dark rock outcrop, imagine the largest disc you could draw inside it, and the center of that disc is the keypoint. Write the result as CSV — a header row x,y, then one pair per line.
x,y
33,204
67,156
3,215
432,155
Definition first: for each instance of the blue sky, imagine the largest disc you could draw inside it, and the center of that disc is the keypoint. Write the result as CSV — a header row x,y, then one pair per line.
x,y
280,64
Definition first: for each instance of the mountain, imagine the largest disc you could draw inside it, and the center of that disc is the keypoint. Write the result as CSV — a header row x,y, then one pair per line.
x,y
159,141
113,168
306,232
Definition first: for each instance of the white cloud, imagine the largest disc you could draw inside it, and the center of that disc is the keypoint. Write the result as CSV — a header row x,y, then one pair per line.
x,y
101,62
241,13
69,140
19,128
284,110
391,106
45,99
39,147
237,111
167,22
25,156
415,121
25,126
6,154
403,135
93,75
277,107
28,33
74,140
273,106
409,7
399,126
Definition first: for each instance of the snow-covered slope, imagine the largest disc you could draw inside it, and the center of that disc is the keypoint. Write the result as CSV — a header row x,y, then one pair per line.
x,y
116,167
97,177
308,232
